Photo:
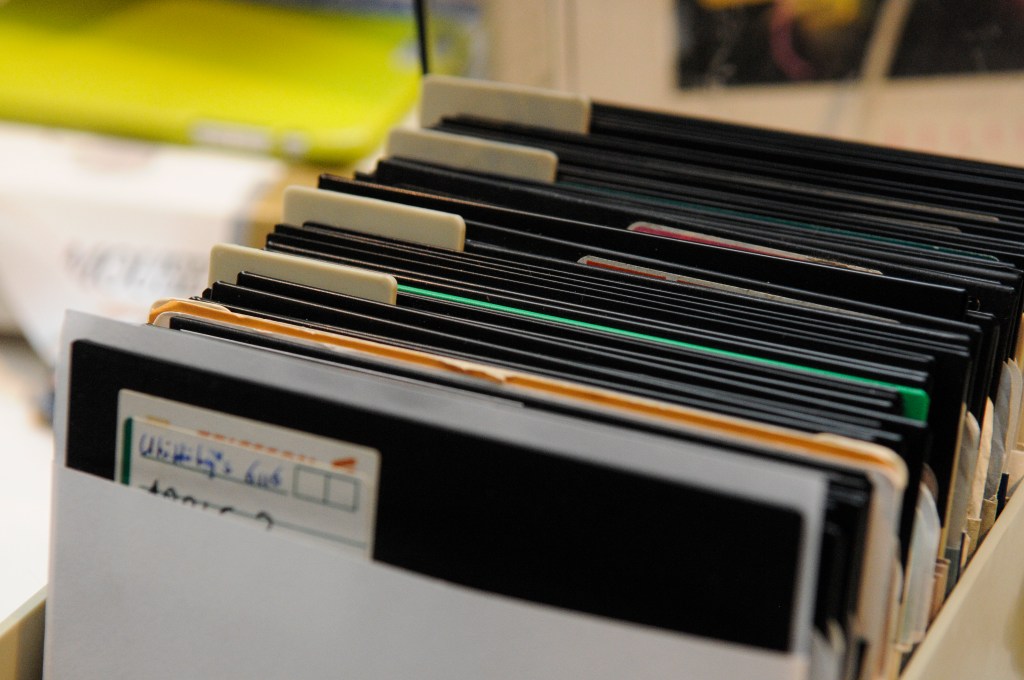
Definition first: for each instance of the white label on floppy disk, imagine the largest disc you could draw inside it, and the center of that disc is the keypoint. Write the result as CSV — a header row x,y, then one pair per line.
x,y
283,479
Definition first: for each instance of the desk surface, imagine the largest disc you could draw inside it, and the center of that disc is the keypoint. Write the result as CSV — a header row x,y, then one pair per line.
x,y
26,449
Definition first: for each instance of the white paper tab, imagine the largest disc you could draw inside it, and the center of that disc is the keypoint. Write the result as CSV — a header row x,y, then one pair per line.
x,y
445,96
228,260
374,217
515,161
283,479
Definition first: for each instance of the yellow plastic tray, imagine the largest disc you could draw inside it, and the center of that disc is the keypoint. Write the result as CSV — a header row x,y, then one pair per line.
x,y
300,83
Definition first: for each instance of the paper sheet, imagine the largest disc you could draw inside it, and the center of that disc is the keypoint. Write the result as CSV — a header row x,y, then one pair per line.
x,y
107,226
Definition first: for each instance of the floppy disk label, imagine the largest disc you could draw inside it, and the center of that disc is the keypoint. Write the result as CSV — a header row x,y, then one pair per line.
x,y
283,479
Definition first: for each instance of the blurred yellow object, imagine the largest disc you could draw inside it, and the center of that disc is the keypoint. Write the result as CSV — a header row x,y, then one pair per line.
x,y
729,4
297,83
822,15
814,14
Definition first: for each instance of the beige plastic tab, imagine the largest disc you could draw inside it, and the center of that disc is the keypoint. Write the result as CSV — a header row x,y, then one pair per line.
x,y
1019,354
988,517
1019,407
470,153
228,260
939,587
1016,400
374,217
981,467
446,96
973,534
963,480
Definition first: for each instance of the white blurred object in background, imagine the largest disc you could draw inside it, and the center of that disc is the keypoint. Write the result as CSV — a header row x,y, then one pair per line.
x,y
107,225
